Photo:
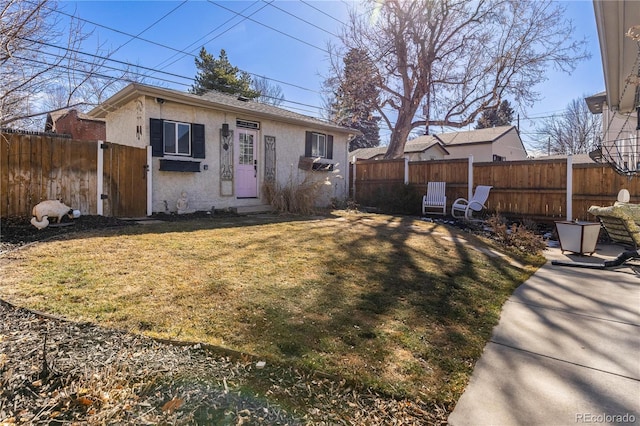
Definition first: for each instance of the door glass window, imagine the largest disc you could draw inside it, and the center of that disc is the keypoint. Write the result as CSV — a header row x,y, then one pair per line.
x,y
246,148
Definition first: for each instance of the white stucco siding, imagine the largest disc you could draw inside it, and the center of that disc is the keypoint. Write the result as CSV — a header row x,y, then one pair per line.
x,y
290,146
510,147
203,188
481,152
121,125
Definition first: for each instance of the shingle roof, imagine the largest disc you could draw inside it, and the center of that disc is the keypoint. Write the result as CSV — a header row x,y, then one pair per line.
x,y
418,144
213,100
487,135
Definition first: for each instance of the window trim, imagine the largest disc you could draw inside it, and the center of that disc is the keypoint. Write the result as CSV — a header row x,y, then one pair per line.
x,y
317,144
177,141
328,145
197,139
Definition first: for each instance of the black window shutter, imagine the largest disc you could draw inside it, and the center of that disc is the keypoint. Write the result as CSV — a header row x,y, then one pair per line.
x,y
157,142
197,140
329,147
307,144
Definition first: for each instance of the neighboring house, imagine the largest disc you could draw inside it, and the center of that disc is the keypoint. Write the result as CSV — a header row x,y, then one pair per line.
x,y
421,148
618,24
486,145
491,144
220,150
575,158
78,125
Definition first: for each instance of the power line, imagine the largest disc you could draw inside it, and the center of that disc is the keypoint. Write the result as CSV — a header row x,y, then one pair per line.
x,y
322,11
211,32
269,27
178,50
149,27
126,71
300,19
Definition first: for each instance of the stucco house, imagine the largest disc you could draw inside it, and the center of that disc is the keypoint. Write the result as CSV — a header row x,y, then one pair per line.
x,y
491,144
618,25
501,143
218,150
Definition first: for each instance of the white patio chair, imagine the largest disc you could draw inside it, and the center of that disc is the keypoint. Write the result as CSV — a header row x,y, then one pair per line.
x,y
435,198
475,204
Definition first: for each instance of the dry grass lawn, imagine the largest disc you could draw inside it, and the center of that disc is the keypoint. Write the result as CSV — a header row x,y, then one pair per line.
x,y
395,303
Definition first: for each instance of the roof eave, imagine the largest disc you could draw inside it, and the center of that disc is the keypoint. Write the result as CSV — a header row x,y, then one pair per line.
x,y
134,90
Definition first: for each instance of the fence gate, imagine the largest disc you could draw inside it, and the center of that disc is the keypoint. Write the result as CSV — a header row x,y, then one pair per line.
x,y
124,185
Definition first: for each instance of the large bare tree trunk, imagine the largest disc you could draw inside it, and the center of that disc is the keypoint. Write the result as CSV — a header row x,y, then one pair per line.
x,y
464,56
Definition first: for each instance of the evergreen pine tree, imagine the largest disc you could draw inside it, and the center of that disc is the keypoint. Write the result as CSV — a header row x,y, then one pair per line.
x,y
501,116
356,99
219,74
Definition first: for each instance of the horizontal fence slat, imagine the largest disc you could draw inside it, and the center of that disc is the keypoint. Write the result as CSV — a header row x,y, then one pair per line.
x,y
525,188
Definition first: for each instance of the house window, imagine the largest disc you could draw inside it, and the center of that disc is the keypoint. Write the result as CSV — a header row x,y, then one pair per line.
x,y
499,158
318,145
177,138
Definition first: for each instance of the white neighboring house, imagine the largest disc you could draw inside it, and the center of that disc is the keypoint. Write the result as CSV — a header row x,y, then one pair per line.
x,y
618,24
486,145
501,143
421,148
219,150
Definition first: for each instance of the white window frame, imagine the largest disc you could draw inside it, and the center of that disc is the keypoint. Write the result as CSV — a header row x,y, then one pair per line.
x,y
177,125
318,145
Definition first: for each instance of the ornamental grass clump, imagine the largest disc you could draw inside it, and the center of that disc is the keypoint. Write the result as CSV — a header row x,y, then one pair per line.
x,y
519,236
297,196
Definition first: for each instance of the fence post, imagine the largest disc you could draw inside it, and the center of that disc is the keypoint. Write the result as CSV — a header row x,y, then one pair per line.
x,y
353,191
470,178
406,171
569,187
150,181
99,179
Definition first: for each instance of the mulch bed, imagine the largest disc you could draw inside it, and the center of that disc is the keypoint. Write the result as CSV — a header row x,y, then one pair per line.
x,y
56,372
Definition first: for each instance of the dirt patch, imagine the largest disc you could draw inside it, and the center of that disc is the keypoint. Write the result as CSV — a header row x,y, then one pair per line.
x,y
58,372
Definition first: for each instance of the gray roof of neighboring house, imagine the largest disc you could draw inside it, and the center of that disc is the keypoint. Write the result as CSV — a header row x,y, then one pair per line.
x,y
577,158
214,100
419,144
422,143
488,135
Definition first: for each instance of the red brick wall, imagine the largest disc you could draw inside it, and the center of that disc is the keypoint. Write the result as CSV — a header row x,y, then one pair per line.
x,y
79,128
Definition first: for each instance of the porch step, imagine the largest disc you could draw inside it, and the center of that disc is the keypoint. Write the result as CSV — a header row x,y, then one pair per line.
x,y
262,208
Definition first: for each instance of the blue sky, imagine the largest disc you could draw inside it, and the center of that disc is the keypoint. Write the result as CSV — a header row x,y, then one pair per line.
x,y
285,40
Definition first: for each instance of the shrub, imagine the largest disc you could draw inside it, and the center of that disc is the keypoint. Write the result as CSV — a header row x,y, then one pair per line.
x,y
296,197
519,236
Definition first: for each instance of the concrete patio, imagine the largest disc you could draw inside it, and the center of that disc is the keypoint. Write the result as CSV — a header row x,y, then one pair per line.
x,y
566,350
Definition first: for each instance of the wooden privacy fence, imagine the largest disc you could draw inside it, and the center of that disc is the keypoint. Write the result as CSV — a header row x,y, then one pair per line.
x,y
37,167
535,189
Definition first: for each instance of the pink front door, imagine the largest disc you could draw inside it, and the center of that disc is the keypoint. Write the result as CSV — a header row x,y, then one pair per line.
x,y
246,164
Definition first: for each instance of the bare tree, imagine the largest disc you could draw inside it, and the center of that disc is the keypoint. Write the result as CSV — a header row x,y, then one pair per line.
x,y
42,66
575,131
270,93
442,62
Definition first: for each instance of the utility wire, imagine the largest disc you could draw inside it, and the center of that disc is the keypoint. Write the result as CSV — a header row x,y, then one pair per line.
x,y
161,64
269,27
149,27
322,11
300,19
178,51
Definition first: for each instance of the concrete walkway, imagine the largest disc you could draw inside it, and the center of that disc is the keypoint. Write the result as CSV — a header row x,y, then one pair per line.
x,y
566,350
